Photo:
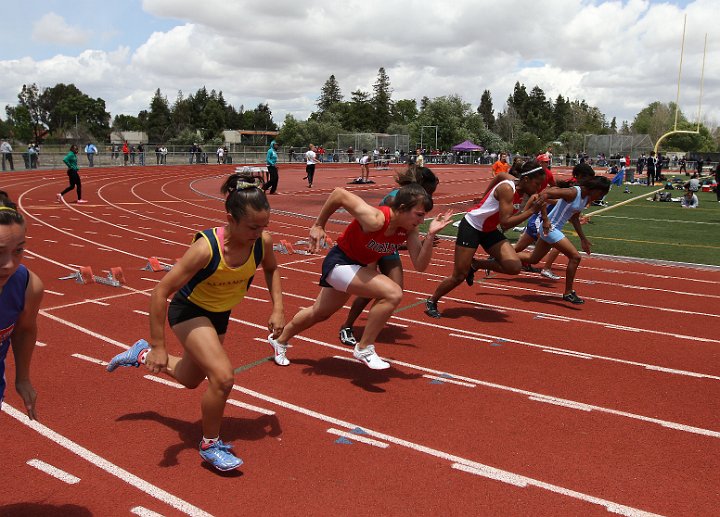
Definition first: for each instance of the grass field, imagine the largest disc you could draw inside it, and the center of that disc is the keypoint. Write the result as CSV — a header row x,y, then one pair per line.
x,y
646,229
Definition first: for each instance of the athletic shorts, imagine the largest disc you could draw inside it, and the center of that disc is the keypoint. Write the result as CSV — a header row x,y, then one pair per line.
x,y
553,237
531,229
469,237
309,168
181,309
389,258
341,278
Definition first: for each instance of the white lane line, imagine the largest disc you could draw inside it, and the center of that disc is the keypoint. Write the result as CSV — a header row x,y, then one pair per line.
x,y
577,320
48,291
96,302
523,482
90,359
40,344
144,512
150,279
474,338
570,354
256,299
622,327
166,382
54,471
563,403
143,313
618,508
358,438
250,407
109,467
546,347
449,380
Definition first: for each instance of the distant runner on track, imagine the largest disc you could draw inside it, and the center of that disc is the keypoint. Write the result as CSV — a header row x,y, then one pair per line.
x,y
21,292
350,266
208,281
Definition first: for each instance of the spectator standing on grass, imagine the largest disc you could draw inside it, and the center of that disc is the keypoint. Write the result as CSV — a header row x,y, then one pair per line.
x,y
659,166
125,152
6,151
158,155
717,182
163,154
351,154
133,153
699,166
220,155
21,292
70,161
651,164
115,153
90,151
291,155
141,153
211,278
641,164
683,167
271,162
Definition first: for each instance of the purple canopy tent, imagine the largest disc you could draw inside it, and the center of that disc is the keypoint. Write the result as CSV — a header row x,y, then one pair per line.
x,y
467,147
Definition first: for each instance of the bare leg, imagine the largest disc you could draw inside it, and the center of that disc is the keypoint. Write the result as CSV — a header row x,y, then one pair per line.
x,y
554,253
390,268
506,260
566,248
461,266
204,357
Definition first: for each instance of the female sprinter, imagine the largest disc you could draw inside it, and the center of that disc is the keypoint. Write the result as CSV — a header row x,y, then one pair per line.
x,y
350,266
571,201
479,227
208,281
389,265
20,294
580,172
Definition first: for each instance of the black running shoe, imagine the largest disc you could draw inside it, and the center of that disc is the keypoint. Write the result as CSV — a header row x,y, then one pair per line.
x,y
573,298
531,269
431,309
346,336
470,278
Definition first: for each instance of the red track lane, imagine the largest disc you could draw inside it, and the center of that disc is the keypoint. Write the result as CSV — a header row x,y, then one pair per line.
x,y
612,403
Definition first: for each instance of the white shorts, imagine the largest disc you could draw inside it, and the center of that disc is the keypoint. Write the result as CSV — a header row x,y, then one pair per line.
x,y
341,276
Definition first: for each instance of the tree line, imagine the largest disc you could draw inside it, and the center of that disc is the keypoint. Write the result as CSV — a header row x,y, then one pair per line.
x,y
527,122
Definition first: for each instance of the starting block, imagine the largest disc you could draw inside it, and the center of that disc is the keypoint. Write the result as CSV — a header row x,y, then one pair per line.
x,y
153,264
286,248
84,275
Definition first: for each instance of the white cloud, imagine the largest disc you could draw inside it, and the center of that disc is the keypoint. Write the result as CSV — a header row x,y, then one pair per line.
x,y
619,56
52,28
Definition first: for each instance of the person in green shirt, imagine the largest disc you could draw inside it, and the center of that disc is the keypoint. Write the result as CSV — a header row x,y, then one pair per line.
x,y
73,175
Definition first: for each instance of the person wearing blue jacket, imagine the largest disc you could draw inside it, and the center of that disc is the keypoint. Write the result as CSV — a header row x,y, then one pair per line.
x,y
271,162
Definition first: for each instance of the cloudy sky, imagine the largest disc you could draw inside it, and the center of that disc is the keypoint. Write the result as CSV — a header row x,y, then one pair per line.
x,y
617,55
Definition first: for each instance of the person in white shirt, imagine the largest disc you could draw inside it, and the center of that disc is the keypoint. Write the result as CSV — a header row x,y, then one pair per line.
x,y
310,161
91,151
6,151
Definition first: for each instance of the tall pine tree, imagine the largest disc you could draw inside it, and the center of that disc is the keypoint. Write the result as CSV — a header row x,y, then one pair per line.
x,y
330,95
381,102
486,110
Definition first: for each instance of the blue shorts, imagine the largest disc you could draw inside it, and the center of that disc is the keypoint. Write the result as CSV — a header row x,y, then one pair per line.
x,y
553,237
531,228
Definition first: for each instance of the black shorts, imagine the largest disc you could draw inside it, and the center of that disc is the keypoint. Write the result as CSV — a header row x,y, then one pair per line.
x,y
181,309
469,237
335,257
310,168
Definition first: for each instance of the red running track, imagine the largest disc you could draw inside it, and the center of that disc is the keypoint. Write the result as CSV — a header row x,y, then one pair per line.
x,y
513,403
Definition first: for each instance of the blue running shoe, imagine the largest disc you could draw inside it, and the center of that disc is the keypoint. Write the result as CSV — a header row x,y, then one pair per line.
x,y
219,456
129,357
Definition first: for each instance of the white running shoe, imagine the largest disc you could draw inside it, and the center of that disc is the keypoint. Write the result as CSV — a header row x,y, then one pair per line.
x,y
549,274
370,358
279,350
